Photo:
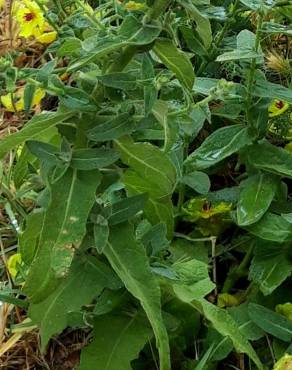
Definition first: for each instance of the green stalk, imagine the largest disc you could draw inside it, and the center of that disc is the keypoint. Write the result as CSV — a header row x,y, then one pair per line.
x,y
129,51
238,272
253,62
219,38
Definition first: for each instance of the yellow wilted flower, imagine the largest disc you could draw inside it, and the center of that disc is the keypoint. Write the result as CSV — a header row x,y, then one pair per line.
x,y
30,18
285,363
278,107
132,5
15,102
13,263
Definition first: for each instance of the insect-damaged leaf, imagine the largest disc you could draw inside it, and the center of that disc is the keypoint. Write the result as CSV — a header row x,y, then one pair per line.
x,y
62,230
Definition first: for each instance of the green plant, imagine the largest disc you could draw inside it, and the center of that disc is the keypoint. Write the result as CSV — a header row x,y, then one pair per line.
x,y
148,180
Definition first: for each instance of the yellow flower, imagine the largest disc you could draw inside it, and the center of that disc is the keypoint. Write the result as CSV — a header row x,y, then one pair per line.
x,y
47,37
278,107
2,4
13,262
285,363
132,5
30,18
15,102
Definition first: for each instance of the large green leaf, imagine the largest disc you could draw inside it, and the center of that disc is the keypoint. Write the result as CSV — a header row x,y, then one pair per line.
x,y
28,239
270,158
91,158
176,61
272,227
112,129
37,125
149,162
271,322
203,24
225,325
256,195
88,277
219,145
129,261
117,340
270,266
62,230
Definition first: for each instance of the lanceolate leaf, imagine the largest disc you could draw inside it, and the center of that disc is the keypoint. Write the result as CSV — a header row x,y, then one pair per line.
x,y
255,198
36,126
219,145
149,162
112,129
271,322
63,228
270,266
272,227
88,277
271,159
117,340
129,261
176,61
226,326
89,159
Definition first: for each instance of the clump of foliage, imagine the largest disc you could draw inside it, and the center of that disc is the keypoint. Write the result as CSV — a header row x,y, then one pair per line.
x,y
158,181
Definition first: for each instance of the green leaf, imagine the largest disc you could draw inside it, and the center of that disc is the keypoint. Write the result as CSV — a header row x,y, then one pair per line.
x,y
271,322
175,60
37,125
219,145
63,229
127,208
149,162
203,24
272,227
270,158
88,277
148,76
201,365
117,340
112,129
89,159
198,181
28,239
28,96
104,47
238,55
160,111
270,266
129,261
119,80
256,195
226,326
101,233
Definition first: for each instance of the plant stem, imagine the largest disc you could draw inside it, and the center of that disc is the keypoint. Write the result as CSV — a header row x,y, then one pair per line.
x,y
253,62
50,21
219,38
237,272
159,7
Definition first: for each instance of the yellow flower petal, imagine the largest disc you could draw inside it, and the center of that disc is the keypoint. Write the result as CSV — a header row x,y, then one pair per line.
x,y
47,38
278,107
8,99
13,262
29,17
